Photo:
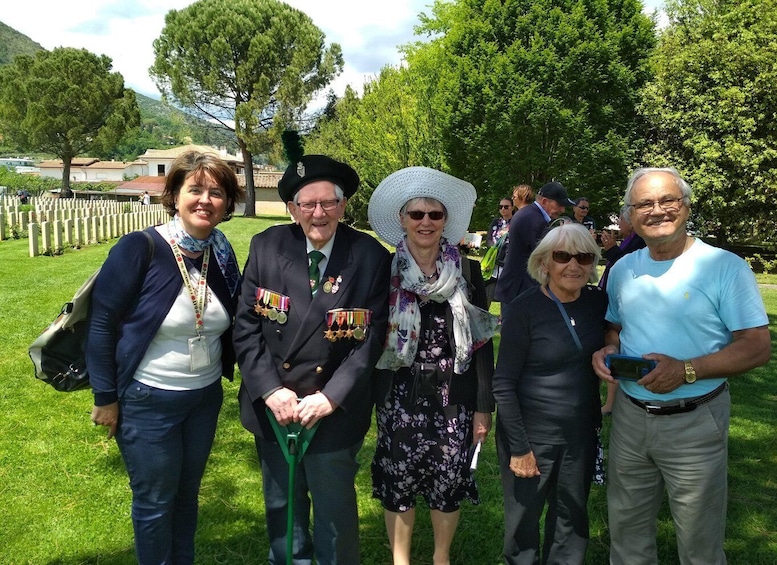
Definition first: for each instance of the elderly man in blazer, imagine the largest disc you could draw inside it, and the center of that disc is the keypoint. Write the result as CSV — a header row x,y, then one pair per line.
x,y
526,229
311,324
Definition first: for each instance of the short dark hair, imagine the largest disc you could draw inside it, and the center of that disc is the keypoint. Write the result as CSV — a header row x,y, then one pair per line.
x,y
195,163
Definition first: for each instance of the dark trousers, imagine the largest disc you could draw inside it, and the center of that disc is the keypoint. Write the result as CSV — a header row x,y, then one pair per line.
x,y
563,484
326,480
490,288
165,438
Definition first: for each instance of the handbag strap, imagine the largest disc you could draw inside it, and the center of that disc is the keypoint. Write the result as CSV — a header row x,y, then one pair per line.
x,y
566,317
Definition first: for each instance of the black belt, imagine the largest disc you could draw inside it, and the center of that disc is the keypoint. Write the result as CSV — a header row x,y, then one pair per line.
x,y
682,406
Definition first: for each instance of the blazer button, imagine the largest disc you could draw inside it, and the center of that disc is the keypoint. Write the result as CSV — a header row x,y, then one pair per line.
x,y
287,366
278,332
319,369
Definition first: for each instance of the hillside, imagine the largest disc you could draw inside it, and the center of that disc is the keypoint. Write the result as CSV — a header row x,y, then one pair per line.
x,y
173,126
13,43
162,125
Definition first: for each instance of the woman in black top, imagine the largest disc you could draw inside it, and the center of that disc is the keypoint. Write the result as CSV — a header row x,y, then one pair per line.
x,y
548,400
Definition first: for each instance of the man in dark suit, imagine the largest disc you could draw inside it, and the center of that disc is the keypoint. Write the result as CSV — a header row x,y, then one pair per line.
x,y
308,332
526,229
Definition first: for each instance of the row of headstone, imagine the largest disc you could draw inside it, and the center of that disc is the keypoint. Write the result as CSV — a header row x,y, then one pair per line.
x,y
56,209
15,218
53,237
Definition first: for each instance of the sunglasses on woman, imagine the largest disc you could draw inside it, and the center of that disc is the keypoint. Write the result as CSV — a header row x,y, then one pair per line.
x,y
581,258
505,206
435,215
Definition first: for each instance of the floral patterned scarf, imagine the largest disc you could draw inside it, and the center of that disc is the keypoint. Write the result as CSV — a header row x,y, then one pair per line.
x,y
218,243
472,326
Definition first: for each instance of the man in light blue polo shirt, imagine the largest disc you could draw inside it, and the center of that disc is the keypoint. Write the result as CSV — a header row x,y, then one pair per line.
x,y
696,311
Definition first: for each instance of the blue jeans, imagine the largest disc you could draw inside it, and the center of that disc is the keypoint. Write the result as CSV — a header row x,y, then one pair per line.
x,y
165,438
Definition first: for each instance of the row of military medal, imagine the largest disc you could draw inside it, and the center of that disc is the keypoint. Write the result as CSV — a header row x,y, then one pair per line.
x,y
272,305
350,322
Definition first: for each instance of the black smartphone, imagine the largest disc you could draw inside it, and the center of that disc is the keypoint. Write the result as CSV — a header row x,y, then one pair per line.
x,y
628,368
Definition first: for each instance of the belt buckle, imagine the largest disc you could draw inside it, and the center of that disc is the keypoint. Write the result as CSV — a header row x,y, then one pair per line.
x,y
652,408
669,410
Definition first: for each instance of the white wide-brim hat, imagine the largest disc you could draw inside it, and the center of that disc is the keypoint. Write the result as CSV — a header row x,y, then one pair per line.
x,y
458,197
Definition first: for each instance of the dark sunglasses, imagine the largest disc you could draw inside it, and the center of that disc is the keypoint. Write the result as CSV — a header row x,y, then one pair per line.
x,y
435,215
505,206
581,258
584,207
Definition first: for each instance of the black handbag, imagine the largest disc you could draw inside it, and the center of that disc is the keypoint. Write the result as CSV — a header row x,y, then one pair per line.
x,y
59,353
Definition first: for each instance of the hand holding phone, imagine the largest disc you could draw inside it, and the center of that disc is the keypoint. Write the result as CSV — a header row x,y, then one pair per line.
x,y
625,367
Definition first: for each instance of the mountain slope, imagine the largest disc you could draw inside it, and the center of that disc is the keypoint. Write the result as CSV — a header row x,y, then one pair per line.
x,y
13,43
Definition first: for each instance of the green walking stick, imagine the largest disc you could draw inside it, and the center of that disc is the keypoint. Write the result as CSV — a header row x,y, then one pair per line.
x,y
294,440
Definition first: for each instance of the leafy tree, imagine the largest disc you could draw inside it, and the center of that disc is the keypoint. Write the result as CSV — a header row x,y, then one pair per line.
x,y
250,65
535,90
65,102
35,185
712,111
389,128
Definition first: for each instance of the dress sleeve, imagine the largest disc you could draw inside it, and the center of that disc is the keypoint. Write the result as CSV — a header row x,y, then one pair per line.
x,y
483,357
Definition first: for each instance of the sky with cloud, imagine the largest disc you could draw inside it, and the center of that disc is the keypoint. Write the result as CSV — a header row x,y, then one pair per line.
x,y
368,31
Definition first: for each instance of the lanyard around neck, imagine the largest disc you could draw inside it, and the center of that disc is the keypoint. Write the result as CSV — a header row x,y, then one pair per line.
x,y
566,318
198,296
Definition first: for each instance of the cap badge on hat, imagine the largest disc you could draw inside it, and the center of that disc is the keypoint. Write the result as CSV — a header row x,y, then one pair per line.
x,y
301,168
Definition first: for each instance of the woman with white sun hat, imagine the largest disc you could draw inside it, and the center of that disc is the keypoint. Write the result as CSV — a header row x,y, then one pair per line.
x,y
434,399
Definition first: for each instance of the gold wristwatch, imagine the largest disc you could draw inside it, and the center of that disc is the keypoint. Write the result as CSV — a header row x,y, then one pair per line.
x,y
690,372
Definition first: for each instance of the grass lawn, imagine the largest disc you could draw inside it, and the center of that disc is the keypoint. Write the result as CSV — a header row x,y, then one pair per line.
x,y
64,497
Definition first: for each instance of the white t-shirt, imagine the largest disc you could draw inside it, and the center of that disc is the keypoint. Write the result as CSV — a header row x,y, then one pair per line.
x,y
167,362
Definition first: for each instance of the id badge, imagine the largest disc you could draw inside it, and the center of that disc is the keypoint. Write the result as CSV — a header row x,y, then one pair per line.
x,y
199,353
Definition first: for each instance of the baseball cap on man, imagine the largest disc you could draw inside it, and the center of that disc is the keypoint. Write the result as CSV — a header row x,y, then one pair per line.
x,y
556,191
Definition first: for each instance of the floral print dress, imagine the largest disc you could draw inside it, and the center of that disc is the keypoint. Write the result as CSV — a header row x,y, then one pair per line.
x,y
423,442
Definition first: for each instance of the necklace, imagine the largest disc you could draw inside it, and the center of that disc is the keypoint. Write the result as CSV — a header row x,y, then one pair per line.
x,y
431,277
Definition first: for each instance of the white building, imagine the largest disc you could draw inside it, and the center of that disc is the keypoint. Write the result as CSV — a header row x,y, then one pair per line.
x,y
90,169
160,160
21,165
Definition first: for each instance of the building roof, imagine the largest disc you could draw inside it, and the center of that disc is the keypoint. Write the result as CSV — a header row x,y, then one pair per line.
x,y
266,179
154,185
75,162
110,165
90,162
177,151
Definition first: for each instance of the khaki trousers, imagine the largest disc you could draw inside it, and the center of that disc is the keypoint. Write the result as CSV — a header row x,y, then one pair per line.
x,y
686,455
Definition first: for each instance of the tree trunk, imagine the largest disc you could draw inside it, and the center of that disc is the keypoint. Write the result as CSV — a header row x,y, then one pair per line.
x,y
65,191
248,165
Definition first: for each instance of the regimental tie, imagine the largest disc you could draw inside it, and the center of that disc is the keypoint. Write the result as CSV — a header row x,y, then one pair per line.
x,y
313,273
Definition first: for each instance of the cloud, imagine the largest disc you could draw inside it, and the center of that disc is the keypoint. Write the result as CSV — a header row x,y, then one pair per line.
x,y
368,32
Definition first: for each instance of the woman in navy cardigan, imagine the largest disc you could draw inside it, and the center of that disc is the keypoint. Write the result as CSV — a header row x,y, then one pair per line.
x,y
160,339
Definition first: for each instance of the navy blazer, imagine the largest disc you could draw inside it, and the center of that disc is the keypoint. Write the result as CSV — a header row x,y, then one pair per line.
x,y
296,354
526,229
129,305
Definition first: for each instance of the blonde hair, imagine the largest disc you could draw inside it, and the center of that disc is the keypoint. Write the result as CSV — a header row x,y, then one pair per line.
x,y
570,237
524,192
